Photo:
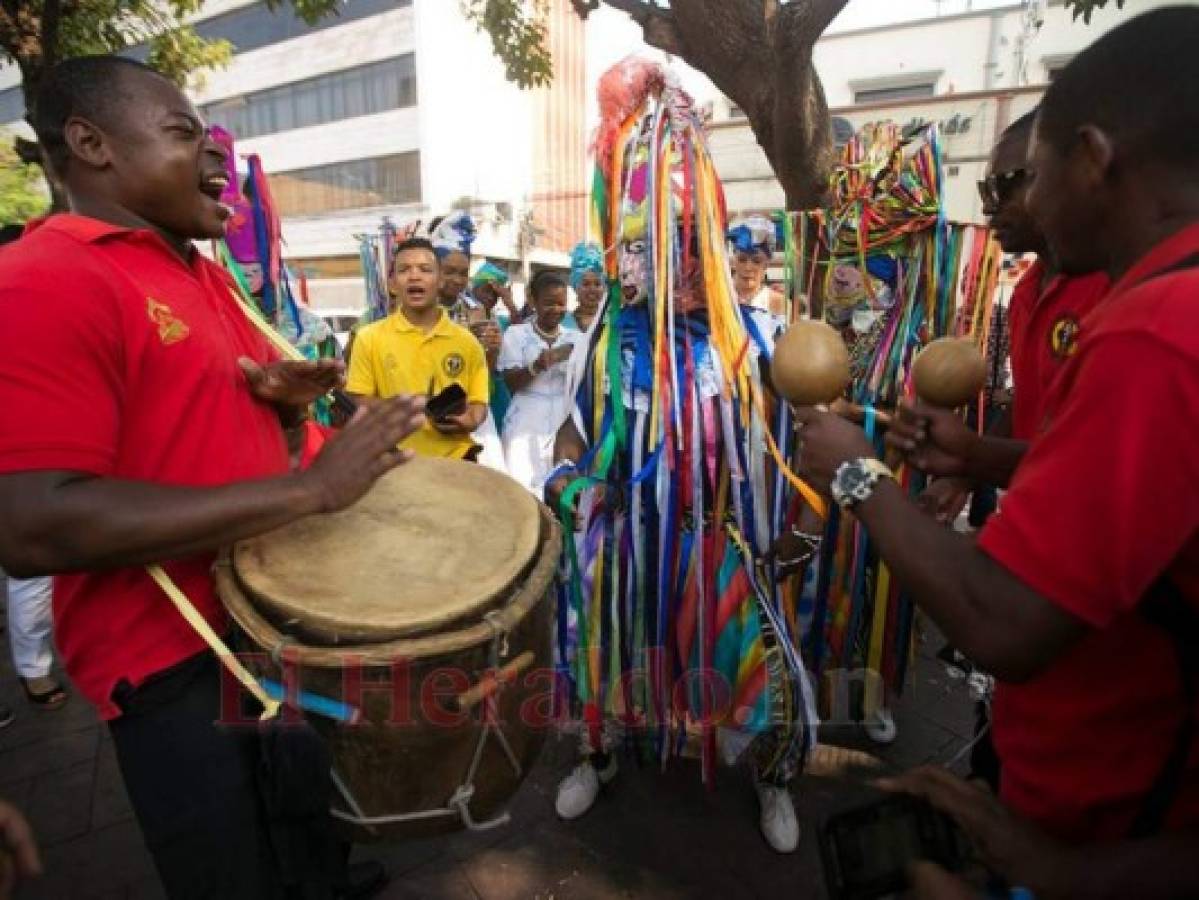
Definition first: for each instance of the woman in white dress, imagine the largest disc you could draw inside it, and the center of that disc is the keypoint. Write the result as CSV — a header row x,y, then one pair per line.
x,y
534,362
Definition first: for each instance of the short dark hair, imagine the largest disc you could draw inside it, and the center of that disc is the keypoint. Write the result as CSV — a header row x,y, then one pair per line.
x,y
1139,83
87,86
10,232
413,243
545,280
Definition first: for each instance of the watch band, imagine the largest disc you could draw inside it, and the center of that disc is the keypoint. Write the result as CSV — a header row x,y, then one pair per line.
x,y
855,480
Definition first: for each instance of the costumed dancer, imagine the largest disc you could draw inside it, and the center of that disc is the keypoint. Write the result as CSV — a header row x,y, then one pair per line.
x,y
668,632
896,275
533,364
753,242
589,283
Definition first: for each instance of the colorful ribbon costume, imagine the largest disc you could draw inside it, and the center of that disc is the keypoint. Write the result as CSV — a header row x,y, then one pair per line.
x,y
666,624
896,275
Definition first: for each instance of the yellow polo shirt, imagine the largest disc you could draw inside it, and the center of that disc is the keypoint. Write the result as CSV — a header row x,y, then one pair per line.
x,y
393,356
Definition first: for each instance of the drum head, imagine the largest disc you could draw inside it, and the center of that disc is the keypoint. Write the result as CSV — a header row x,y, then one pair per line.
x,y
434,542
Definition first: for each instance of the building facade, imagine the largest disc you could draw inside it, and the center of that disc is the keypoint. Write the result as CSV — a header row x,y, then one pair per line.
x,y
392,107
972,73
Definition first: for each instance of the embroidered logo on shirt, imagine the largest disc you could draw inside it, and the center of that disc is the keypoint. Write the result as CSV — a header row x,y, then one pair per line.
x,y
1063,336
453,365
171,329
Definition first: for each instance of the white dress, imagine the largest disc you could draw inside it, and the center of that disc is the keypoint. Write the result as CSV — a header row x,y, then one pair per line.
x,y
536,412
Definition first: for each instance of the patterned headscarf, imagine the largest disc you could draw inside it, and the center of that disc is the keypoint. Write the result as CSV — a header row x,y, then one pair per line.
x,y
585,259
489,273
456,232
754,234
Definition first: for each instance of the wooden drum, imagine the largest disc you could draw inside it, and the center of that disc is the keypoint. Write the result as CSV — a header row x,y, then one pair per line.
x,y
425,610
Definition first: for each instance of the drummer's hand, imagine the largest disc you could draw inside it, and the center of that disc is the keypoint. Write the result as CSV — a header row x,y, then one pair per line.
x,y
289,382
365,449
16,839
936,441
825,441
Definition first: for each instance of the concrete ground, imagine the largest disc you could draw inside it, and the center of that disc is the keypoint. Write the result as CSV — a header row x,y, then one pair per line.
x,y
652,835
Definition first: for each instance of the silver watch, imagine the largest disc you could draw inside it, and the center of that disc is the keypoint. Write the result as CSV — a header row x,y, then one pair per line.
x,y
854,480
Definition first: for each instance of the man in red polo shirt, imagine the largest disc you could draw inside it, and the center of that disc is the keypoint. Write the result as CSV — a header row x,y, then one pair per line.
x,y
1082,592
143,422
1046,312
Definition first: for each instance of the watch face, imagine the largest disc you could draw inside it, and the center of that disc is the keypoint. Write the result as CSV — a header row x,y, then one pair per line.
x,y
855,477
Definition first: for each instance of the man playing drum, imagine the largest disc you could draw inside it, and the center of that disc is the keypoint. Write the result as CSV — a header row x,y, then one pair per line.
x,y
145,423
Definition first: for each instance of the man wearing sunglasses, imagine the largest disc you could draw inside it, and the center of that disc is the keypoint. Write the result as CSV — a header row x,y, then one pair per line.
x,y
1045,317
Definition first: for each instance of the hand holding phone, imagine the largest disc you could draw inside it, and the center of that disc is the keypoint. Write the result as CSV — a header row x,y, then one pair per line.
x,y
450,402
867,851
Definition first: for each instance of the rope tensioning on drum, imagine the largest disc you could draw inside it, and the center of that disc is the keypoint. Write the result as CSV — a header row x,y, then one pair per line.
x,y
486,692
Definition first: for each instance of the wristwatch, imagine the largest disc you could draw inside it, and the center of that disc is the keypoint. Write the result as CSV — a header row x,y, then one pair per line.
x,y
854,480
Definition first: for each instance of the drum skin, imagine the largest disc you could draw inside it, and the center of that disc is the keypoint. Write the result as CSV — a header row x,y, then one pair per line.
x,y
412,749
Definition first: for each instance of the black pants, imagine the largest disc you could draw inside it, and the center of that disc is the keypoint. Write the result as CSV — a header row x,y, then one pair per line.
x,y
194,787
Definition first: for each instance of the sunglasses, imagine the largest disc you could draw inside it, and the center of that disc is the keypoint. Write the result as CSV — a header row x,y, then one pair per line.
x,y
995,189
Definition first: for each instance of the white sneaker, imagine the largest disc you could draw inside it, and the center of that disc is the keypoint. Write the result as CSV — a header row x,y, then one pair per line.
x,y
881,727
779,825
579,790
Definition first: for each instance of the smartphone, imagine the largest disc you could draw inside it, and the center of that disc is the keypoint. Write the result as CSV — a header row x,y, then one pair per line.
x,y
450,402
867,851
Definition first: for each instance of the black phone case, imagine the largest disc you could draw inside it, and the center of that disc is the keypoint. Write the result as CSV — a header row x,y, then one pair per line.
x,y
449,402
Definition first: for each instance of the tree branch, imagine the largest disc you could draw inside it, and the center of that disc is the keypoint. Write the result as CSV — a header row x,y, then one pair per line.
x,y
584,8
658,26
809,18
50,20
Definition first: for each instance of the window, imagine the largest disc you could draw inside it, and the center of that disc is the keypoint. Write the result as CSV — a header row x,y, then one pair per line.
x,y
256,26
359,184
373,88
736,113
862,96
12,105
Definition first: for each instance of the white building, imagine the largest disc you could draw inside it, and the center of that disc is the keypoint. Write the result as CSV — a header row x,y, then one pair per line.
x,y
398,108
973,72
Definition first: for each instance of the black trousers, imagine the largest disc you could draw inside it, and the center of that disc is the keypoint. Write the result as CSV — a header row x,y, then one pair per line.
x,y
194,785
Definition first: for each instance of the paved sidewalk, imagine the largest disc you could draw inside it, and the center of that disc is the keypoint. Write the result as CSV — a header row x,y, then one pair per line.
x,y
652,835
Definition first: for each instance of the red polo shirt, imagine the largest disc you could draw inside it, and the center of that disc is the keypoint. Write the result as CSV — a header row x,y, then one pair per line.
x,y
1044,327
120,360
1105,502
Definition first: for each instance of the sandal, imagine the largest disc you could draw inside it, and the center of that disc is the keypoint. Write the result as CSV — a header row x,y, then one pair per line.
x,y
47,700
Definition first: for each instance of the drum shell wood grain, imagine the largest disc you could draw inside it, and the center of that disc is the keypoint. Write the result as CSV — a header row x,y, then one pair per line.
x,y
405,757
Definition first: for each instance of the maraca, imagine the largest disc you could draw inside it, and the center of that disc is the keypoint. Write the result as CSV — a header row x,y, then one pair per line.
x,y
811,364
949,372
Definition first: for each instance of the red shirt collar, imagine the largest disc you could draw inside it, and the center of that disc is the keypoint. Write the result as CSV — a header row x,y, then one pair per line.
x,y
84,228
1175,248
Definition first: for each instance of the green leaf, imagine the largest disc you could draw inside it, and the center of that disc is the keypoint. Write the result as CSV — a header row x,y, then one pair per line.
x,y
518,38
23,192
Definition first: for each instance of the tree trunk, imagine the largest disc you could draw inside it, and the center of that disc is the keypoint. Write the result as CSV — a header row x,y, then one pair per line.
x,y
759,54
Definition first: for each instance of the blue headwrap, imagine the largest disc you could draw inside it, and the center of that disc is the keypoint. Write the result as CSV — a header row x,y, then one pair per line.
x,y
585,258
755,234
456,232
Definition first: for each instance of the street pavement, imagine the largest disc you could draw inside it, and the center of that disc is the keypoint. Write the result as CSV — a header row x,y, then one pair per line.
x,y
652,835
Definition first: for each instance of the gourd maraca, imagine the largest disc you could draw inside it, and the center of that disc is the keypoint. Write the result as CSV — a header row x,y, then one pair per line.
x,y
811,364
949,372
